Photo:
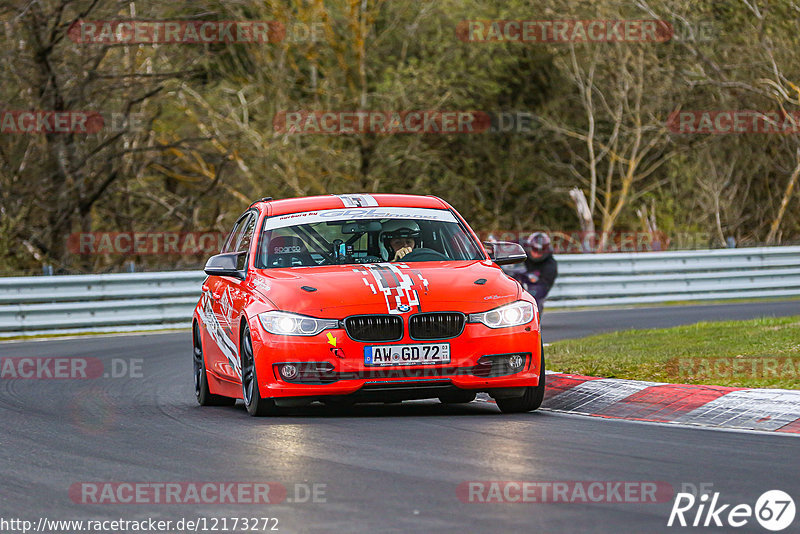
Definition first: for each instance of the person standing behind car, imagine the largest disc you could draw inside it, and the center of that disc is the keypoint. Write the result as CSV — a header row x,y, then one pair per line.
x,y
541,268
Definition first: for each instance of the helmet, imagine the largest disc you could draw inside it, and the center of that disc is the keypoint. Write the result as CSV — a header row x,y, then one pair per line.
x,y
395,228
538,241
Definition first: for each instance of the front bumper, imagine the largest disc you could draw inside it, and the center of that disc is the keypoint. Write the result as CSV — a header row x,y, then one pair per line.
x,y
339,370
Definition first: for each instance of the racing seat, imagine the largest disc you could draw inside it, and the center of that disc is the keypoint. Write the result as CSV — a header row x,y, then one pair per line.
x,y
287,251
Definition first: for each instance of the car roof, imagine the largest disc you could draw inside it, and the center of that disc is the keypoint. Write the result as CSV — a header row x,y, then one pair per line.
x,y
325,202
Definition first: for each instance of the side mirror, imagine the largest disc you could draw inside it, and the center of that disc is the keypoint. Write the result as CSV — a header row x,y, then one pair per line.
x,y
504,252
229,264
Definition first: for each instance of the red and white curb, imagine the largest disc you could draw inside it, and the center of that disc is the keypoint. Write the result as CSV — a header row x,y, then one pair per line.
x,y
771,410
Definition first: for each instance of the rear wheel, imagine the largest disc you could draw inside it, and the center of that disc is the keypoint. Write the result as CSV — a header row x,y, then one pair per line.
x,y
256,406
457,397
530,400
201,390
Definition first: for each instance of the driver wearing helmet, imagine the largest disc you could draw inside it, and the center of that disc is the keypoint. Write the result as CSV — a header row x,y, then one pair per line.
x,y
541,269
399,237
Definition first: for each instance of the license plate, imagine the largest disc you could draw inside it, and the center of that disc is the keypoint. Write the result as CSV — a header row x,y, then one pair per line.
x,y
427,354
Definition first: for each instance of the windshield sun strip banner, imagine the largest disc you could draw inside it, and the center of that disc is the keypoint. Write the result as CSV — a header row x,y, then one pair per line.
x,y
311,217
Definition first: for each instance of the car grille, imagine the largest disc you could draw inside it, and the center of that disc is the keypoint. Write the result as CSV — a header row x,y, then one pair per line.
x,y
439,325
374,327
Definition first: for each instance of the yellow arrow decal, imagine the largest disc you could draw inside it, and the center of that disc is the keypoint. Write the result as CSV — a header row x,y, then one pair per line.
x,y
331,339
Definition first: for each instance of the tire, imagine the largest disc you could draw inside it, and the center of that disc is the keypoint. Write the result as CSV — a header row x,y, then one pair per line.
x,y
201,390
458,397
255,404
530,400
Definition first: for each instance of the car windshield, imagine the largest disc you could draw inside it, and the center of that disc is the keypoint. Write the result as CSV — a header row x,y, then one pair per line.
x,y
363,235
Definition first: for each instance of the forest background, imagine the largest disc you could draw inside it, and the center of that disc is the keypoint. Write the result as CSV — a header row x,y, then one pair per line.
x,y
189,141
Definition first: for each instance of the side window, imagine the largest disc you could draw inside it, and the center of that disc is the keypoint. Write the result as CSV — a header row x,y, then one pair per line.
x,y
244,239
230,242
246,236
243,229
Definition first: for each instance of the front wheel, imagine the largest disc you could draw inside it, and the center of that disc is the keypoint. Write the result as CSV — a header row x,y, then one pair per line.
x,y
201,390
530,400
256,406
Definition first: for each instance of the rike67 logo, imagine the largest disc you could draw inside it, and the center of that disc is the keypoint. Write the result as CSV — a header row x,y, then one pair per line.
x,y
774,510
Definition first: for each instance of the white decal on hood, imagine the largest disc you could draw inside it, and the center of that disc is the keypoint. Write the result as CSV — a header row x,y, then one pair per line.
x,y
397,286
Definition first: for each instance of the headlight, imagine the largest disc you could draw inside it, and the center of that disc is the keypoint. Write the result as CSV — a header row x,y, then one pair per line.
x,y
292,324
514,314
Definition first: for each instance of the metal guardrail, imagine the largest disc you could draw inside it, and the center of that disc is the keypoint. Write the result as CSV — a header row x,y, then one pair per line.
x,y
148,301
697,275
97,303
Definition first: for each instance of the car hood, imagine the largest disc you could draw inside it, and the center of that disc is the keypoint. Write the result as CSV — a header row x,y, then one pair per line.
x,y
337,291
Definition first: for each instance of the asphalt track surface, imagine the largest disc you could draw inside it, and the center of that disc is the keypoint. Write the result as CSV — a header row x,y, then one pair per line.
x,y
386,468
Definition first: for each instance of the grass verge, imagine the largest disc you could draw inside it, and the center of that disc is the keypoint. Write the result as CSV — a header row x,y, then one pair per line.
x,y
759,353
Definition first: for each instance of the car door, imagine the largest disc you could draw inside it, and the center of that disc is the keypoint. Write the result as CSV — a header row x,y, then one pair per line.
x,y
234,295
222,355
